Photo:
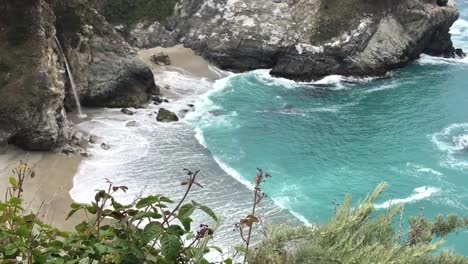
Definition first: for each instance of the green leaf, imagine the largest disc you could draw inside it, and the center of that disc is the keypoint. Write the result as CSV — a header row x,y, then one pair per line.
x,y
228,261
55,244
147,201
12,181
72,212
186,223
77,205
170,247
153,230
39,257
81,227
186,210
91,209
10,249
175,230
217,249
101,249
206,209
165,200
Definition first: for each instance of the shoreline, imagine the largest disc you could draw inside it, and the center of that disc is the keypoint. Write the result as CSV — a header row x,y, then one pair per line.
x,y
47,194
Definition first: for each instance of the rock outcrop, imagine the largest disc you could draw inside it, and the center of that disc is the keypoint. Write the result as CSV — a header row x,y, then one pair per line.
x,y
106,69
309,39
165,115
34,87
32,77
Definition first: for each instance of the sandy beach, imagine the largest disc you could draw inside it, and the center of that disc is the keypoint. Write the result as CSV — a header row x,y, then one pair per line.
x,y
48,192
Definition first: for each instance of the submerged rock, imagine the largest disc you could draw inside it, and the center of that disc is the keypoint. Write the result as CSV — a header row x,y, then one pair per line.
x,y
127,111
105,146
307,40
165,115
161,58
131,124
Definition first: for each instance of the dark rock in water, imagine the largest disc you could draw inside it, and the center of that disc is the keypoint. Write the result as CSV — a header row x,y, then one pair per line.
x,y
161,58
92,139
157,100
191,105
131,124
307,40
167,87
104,146
166,100
185,110
74,150
127,112
460,53
165,115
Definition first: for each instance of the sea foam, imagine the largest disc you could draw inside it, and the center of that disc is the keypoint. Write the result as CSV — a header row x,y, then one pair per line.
x,y
419,193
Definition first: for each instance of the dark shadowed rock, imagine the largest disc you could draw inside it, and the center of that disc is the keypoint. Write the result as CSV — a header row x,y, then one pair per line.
x,y
105,67
165,115
161,58
32,78
127,112
131,124
105,146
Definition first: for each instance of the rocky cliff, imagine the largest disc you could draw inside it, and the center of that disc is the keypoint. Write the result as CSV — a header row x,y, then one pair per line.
x,y
33,82
309,39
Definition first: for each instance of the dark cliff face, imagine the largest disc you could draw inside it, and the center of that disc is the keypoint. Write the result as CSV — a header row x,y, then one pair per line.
x,y
105,68
33,80
309,39
31,77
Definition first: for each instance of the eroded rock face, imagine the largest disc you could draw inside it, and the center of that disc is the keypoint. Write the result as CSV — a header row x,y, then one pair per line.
x,y
31,77
106,69
309,39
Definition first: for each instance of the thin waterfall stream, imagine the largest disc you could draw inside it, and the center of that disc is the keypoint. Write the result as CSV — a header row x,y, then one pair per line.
x,y
72,80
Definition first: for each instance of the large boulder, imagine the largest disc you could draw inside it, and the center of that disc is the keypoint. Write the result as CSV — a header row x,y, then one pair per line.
x,y
165,115
32,77
309,39
105,68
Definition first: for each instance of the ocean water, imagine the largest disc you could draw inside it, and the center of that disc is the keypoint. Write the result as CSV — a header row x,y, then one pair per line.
x,y
319,140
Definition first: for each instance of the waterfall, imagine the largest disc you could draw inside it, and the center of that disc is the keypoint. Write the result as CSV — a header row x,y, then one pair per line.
x,y
72,80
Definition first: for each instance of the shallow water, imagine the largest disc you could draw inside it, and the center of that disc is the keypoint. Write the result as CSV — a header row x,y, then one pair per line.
x,y
319,140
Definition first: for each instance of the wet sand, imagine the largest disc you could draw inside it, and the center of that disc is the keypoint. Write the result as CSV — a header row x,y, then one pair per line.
x,y
47,194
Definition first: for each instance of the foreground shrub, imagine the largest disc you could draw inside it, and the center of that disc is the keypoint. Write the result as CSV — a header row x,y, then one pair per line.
x,y
146,231
359,235
155,229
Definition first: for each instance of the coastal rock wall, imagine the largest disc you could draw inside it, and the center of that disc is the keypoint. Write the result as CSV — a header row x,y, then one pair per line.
x,y
34,88
106,69
309,39
31,77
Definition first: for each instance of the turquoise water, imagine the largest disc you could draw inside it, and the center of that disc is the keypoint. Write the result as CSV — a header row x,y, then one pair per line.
x,y
323,140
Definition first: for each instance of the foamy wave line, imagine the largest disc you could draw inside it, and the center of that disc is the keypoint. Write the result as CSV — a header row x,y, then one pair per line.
x,y
431,60
334,81
236,175
419,193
